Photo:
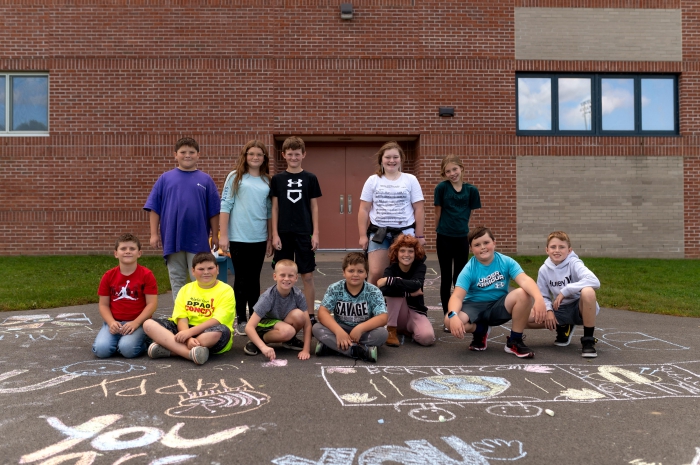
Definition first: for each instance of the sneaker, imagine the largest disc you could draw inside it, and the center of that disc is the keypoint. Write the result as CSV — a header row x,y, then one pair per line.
x,y
564,335
363,352
518,348
240,328
158,351
480,340
251,349
199,355
294,344
588,350
322,349
446,329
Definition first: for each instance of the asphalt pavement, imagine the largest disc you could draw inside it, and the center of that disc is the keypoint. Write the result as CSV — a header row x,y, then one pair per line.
x,y
637,402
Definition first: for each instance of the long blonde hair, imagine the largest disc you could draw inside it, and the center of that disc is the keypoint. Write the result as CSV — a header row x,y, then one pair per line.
x,y
242,165
451,159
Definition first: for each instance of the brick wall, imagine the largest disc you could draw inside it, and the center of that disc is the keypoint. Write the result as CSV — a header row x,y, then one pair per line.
x,y
129,77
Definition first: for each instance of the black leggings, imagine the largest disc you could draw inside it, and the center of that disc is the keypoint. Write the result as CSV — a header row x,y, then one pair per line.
x,y
450,250
247,258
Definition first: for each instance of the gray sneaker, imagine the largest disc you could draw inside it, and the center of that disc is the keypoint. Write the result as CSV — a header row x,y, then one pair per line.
x,y
158,351
240,329
199,355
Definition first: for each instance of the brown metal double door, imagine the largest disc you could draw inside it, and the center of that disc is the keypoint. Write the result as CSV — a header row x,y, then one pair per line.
x,y
342,171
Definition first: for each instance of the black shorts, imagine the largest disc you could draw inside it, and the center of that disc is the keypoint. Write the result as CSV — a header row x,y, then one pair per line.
x,y
216,348
296,247
569,314
491,313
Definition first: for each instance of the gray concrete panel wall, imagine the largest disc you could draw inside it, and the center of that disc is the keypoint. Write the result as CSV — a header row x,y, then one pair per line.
x,y
609,206
598,34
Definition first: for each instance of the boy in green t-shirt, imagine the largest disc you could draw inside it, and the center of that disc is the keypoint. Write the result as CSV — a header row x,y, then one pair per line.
x,y
202,317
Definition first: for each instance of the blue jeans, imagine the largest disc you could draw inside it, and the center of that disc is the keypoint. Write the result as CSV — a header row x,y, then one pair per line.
x,y
130,346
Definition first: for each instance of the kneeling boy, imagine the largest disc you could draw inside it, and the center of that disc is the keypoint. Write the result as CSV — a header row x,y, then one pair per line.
x,y
565,278
202,317
356,326
481,298
279,315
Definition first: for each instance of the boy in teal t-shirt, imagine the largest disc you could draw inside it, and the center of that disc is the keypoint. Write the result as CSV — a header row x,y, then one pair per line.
x,y
481,298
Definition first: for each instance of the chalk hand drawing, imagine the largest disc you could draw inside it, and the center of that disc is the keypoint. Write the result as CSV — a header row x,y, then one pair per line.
x,y
640,341
434,394
498,449
99,368
220,402
537,369
357,398
120,439
419,452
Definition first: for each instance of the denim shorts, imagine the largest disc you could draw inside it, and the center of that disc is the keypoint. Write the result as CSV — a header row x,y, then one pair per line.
x,y
388,240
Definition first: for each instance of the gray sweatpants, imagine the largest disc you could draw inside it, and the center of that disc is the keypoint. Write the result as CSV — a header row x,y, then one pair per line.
x,y
375,337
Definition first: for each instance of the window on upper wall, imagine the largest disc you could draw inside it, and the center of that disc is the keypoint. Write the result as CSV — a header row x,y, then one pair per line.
x,y
596,104
24,103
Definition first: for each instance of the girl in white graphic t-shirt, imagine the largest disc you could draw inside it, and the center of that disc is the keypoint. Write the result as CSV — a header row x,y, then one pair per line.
x,y
391,204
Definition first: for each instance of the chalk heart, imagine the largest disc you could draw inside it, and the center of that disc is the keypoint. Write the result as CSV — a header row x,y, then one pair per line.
x,y
357,398
460,387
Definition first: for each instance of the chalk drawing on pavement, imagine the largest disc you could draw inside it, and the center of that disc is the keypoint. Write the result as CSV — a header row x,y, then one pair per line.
x,y
130,437
429,393
417,452
221,401
42,327
99,368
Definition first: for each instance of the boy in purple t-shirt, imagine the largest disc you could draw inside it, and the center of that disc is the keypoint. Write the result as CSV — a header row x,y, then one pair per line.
x,y
184,206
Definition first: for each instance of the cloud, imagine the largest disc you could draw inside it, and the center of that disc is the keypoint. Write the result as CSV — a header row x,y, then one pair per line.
x,y
535,102
574,89
615,96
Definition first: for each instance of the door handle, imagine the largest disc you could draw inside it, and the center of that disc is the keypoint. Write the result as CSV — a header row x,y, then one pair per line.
x,y
349,204
341,204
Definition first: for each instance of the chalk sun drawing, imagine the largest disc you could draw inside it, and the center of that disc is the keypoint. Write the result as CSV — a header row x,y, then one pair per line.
x,y
221,402
428,393
418,452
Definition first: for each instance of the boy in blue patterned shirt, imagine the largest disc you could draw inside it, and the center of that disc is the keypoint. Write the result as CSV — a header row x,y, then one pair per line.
x,y
352,316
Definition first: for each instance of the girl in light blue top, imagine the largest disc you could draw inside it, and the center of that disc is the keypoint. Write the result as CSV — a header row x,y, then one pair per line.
x,y
245,224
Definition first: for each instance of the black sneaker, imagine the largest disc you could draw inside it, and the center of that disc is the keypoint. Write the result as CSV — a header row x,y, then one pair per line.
x,y
251,349
564,335
322,349
313,319
479,340
294,344
518,348
363,352
588,347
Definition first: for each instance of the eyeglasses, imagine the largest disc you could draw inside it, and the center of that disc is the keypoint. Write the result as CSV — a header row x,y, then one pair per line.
x,y
255,155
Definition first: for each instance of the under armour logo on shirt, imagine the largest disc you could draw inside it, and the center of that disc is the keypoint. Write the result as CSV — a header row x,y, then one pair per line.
x,y
291,183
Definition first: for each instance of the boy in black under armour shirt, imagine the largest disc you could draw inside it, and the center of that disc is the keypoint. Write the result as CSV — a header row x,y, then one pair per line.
x,y
295,216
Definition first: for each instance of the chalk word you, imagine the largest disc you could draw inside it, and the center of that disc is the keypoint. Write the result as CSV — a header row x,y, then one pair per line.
x,y
431,393
120,439
417,453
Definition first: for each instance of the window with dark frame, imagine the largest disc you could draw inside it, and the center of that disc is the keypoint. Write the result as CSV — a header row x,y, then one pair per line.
x,y
596,104
24,103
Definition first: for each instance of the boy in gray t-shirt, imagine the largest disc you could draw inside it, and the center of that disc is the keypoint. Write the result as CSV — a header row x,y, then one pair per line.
x,y
279,315
352,315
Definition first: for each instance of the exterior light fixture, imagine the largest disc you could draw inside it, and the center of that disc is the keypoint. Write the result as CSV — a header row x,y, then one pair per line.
x,y
346,11
447,112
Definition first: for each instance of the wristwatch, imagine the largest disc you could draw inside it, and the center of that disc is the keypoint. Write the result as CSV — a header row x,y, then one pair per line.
x,y
450,315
